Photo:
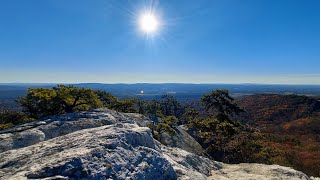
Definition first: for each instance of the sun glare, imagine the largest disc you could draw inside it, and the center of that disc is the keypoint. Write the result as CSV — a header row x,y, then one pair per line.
x,y
148,23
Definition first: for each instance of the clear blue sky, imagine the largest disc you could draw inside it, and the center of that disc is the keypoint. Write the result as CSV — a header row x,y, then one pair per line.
x,y
203,41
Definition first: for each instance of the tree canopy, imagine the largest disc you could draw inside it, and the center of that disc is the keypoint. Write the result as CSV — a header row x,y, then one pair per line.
x,y
40,102
221,105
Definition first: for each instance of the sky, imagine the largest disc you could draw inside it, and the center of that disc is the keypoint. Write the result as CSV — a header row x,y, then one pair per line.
x,y
203,41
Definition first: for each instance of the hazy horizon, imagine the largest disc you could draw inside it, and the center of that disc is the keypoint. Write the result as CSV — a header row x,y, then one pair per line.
x,y
124,83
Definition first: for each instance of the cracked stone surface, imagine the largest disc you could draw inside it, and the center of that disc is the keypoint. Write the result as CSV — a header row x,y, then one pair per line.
x,y
104,144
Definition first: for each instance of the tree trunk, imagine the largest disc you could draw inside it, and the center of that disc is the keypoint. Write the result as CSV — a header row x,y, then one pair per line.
x,y
69,109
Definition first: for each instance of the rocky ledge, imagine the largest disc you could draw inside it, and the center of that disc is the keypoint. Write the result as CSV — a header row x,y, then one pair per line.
x,y
105,144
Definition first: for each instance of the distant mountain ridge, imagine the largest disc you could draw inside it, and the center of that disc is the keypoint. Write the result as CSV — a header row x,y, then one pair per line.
x,y
183,92
125,90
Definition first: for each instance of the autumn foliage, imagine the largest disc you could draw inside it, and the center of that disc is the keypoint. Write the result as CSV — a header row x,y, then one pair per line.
x,y
290,125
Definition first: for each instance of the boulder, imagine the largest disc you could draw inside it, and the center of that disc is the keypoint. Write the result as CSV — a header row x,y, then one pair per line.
x,y
257,171
48,128
182,140
116,151
104,144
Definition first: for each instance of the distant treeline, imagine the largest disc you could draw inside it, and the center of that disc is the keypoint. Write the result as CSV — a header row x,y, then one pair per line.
x,y
182,92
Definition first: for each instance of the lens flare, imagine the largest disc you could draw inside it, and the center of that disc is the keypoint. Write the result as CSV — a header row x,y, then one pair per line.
x,y
148,23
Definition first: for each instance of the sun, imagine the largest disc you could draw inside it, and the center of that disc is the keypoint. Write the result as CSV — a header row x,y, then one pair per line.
x,y
148,23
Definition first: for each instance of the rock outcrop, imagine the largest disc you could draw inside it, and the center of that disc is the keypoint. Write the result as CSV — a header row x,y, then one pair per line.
x,y
104,144
182,140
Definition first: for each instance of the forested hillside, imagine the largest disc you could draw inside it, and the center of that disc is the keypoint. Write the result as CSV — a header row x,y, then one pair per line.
x,y
278,108
290,124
